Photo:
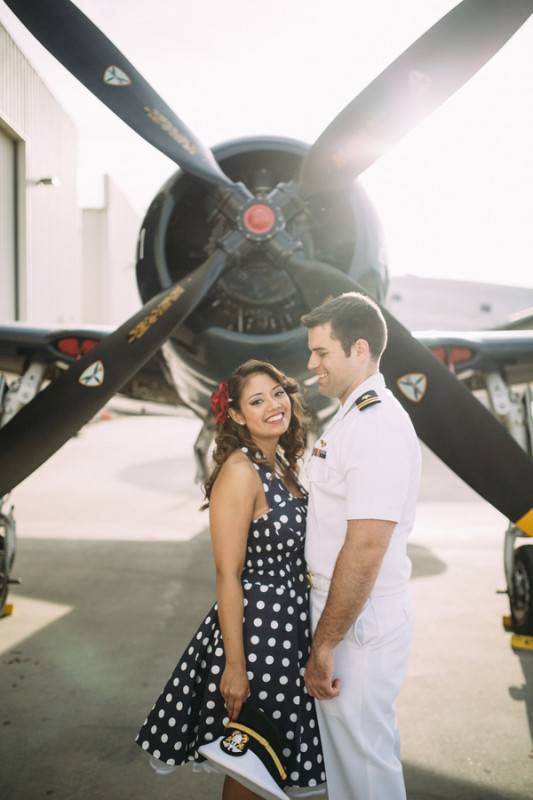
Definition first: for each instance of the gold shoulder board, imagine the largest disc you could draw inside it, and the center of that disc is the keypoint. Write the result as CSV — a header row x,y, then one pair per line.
x,y
367,399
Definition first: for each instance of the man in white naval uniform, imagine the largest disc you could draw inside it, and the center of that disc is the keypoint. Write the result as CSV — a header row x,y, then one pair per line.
x,y
364,476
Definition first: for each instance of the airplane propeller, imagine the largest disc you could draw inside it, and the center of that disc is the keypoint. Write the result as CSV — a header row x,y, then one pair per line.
x,y
88,54
445,415
57,412
441,61
448,418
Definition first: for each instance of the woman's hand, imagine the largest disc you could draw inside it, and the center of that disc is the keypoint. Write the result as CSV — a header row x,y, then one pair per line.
x,y
235,689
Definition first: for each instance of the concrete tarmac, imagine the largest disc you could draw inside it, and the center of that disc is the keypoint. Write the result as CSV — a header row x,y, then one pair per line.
x,y
117,574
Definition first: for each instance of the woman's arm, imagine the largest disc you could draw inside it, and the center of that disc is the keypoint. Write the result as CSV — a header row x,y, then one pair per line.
x,y
231,509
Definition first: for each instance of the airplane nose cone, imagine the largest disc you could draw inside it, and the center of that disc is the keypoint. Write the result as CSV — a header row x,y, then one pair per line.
x,y
259,219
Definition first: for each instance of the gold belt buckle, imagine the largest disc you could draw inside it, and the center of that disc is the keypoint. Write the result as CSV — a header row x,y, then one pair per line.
x,y
309,579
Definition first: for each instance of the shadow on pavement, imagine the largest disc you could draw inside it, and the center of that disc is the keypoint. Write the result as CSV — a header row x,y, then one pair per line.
x,y
75,693
524,693
428,785
425,563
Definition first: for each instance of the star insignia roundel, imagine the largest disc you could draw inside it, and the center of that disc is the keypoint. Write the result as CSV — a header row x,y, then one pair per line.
x,y
114,76
413,386
93,376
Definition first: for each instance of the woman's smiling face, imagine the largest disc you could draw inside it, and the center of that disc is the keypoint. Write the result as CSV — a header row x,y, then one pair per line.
x,y
265,406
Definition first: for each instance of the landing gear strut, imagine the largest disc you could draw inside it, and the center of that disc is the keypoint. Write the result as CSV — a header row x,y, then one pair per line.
x,y
515,412
7,557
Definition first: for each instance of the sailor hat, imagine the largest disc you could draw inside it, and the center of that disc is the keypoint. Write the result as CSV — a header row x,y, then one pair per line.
x,y
249,752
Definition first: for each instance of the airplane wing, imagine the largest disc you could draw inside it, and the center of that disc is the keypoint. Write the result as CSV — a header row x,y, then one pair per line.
x,y
470,354
22,344
521,320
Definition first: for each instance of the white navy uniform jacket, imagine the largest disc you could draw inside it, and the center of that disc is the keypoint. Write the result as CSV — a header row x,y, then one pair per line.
x,y
365,465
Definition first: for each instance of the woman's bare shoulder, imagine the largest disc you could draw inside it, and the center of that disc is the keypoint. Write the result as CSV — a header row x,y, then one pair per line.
x,y
237,470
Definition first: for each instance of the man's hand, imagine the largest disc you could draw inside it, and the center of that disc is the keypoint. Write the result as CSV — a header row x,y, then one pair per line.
x,y
319,675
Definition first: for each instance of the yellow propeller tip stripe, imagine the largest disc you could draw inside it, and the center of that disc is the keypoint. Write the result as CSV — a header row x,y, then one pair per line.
x,y
525,523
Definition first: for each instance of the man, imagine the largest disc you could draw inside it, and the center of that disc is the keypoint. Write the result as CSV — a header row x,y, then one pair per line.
x,y
364,476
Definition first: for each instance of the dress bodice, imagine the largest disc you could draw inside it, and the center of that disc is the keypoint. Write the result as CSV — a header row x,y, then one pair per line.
x,y
276,539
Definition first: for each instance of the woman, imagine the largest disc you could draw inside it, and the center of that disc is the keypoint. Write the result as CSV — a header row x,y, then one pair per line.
x,y
255,640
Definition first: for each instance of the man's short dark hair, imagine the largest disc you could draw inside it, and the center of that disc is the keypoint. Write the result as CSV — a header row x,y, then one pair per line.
x,y
352,316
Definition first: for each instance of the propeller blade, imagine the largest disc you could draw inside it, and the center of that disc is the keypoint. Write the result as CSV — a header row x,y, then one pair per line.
x,y
409,89
57,412
95,61
446,416
316,281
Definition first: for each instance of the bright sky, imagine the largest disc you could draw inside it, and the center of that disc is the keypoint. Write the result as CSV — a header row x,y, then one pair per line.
x,y
455,196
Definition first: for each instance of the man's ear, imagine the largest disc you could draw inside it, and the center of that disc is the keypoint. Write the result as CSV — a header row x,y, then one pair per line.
x,y
360,348
236,416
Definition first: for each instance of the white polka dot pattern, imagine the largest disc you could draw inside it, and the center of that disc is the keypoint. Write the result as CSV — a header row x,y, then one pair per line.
x,y
276,641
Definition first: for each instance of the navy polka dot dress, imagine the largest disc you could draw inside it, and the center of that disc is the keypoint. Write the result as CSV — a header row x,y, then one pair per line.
x,y
190,709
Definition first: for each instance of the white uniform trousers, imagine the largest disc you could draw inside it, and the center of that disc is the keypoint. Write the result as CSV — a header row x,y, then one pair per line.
x,y
358,728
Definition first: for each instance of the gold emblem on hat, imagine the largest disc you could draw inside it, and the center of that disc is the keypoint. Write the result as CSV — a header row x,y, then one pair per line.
x,y
236,742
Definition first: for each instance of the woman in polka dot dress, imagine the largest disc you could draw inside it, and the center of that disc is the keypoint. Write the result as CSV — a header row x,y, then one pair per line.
x,y
255,641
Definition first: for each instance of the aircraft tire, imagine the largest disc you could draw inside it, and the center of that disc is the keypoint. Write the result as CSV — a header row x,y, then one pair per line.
x,y
522,590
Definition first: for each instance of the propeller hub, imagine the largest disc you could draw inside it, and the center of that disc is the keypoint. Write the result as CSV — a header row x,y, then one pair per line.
x,y
259,221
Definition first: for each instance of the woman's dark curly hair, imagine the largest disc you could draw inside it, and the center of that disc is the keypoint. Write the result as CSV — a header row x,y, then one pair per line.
x,y
232,436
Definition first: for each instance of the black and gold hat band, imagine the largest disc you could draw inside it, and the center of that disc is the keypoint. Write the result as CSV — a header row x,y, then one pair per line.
x,y
264,743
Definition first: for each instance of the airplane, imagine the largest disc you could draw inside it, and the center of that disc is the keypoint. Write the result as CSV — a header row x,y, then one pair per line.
x,y
244,239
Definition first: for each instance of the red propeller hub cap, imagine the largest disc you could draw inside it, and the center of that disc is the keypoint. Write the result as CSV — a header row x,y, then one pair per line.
x,y
259,219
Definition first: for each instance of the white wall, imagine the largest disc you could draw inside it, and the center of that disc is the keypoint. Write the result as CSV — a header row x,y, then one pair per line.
x,y
48,218
8,244
109,238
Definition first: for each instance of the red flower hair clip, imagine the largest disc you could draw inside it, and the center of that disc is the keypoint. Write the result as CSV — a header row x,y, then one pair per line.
x,y
220,401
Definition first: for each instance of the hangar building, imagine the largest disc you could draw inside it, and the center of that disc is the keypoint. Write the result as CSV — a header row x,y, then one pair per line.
x,y
57,263
40,221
